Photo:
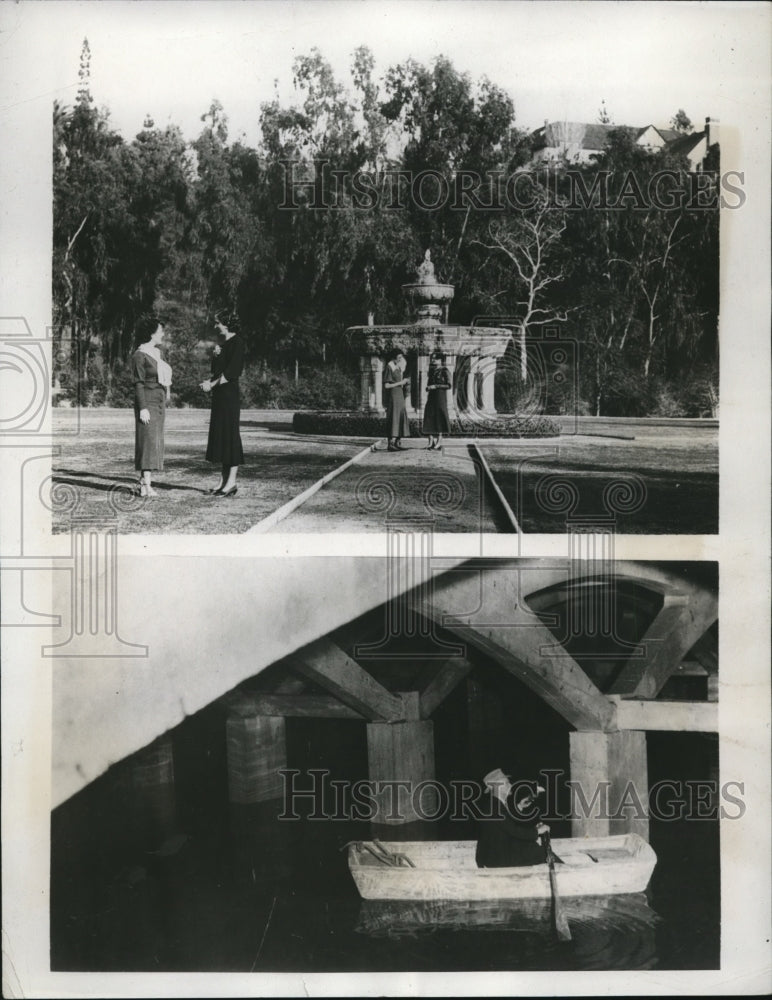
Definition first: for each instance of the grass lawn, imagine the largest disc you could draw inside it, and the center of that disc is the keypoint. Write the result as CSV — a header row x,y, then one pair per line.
x,y
97,458
677,464
678,467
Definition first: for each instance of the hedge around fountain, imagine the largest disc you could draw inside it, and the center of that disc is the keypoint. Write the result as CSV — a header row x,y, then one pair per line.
x,y
351,424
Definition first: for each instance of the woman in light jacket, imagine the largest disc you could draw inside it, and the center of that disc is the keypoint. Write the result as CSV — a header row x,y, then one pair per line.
x,y
152,378
394,382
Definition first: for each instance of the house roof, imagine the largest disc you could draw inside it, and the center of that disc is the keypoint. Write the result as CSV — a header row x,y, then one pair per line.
x,y
684,144
594,136
583,134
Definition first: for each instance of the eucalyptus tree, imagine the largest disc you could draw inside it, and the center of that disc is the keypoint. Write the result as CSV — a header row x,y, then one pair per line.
x,y
89,209
456,135
530,240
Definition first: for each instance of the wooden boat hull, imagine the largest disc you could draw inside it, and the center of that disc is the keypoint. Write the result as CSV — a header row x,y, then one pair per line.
x,y
593,866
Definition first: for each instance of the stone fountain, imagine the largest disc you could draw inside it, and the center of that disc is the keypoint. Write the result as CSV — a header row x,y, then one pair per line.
x,y
471,353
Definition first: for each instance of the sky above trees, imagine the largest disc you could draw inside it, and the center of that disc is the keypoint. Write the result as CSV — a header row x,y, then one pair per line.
x,y
556,60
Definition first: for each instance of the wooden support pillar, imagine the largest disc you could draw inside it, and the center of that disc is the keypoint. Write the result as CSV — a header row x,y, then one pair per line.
x,y
402,752
152,781
609,775
260,843
257,750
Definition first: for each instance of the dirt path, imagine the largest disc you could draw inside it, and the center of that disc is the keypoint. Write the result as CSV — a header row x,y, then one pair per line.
x,y
443,490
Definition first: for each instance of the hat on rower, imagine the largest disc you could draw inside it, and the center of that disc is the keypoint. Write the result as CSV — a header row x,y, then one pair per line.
x,y
496,777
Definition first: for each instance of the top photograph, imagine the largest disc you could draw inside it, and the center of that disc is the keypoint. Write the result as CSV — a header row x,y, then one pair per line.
x,y
309,280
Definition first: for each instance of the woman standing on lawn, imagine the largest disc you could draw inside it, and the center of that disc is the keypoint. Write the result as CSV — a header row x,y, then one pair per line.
x,y
397,424
436,421
224,444
152,380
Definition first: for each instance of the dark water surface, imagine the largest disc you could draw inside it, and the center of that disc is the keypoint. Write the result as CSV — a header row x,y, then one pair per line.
x,y
232,889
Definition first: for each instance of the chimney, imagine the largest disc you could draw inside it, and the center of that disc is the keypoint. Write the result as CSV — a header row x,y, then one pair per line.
x,y
711,131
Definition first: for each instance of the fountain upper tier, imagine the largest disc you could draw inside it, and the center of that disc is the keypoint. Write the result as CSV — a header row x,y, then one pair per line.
x,y
428,333
427,294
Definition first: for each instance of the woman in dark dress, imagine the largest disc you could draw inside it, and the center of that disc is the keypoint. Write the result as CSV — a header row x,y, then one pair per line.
x,y
152,379
397,424
436,421
224,443
509,836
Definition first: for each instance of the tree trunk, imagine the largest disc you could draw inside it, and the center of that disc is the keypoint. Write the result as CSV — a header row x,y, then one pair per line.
x,y
597,384
650,348
523,355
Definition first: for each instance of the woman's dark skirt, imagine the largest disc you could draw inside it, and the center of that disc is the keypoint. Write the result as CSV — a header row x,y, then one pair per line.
x,y
436,420
149,438
397,422
224,444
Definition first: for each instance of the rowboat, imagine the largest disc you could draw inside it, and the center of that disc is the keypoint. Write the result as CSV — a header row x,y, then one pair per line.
x,y
446,869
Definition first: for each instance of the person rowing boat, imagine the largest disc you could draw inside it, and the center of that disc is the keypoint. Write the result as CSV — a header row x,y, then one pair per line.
x,y
509,835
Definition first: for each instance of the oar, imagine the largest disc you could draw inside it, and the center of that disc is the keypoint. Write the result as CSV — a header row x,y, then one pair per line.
x,y
561,921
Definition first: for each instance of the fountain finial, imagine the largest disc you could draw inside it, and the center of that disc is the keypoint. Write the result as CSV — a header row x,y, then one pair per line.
x,y
426,274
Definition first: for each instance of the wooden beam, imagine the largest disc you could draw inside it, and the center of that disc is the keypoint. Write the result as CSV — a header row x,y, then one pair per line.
x,y
450,674
316,706
663,626
668,716
332,668
521,644
690,668
682,621
705,650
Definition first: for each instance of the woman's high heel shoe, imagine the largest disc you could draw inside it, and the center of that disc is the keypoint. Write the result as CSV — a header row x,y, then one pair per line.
x,y
227,493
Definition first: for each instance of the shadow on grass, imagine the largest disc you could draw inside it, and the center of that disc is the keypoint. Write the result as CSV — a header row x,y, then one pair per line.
x,y
683,504
269,425
95,481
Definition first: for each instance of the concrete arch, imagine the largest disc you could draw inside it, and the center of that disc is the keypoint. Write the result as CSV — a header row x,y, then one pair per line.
x,y
228,625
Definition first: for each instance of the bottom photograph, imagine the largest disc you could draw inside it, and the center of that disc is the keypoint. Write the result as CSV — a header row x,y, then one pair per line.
x,y
403,764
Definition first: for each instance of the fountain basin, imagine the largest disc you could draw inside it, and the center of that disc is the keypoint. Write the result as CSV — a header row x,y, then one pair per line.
x,y
461,341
